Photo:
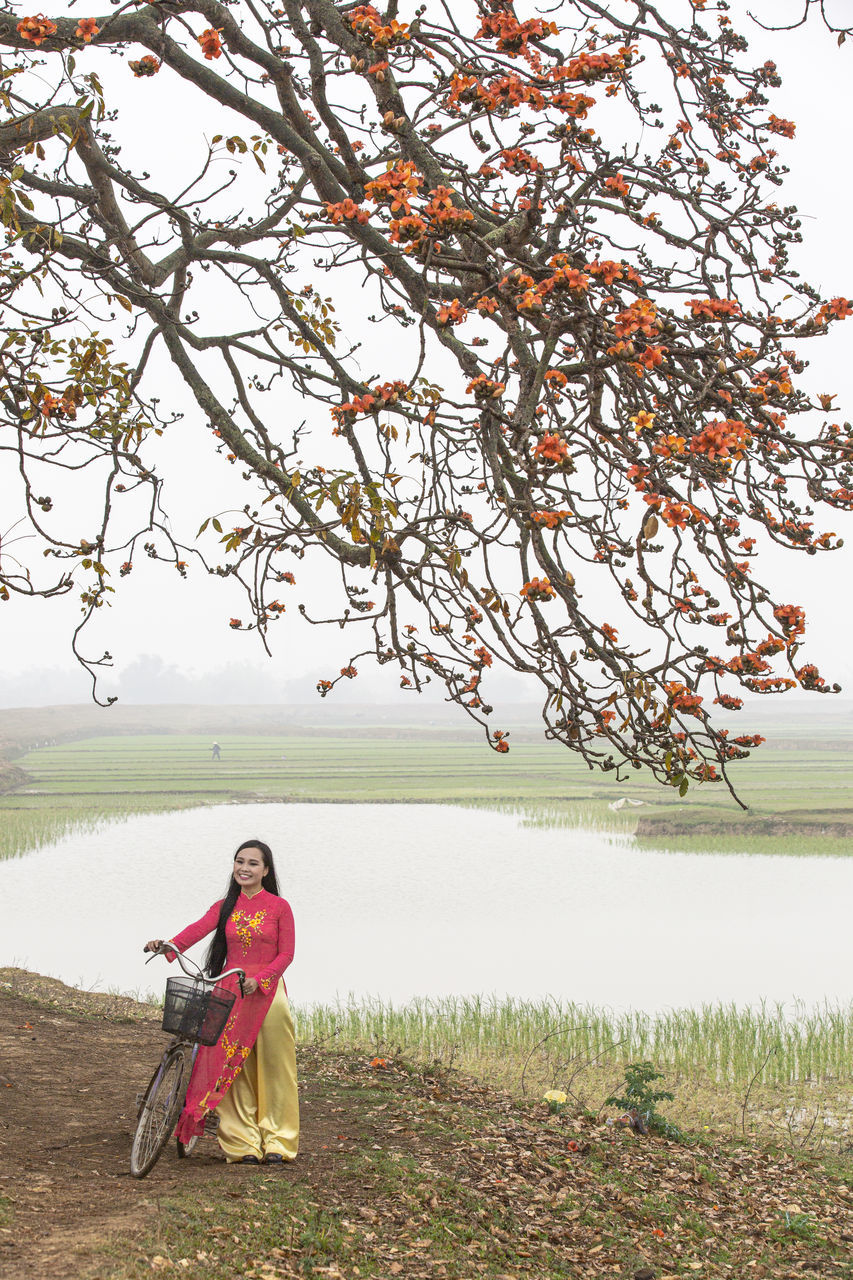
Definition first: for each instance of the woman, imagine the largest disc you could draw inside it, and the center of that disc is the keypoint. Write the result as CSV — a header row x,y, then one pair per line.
x,y
249,1076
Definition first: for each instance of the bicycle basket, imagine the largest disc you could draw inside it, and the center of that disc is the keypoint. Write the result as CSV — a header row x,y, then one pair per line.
x,y
194,1011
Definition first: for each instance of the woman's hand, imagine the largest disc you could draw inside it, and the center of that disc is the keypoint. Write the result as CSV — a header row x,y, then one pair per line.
x,y
250,986
153,946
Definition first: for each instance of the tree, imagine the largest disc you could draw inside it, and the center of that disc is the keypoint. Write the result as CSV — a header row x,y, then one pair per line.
x,y
579,374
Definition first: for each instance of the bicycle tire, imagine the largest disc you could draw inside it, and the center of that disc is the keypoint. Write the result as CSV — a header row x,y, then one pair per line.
x,y
158,1114
187,1148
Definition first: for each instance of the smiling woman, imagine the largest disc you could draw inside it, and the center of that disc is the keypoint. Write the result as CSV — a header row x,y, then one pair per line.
x,y
249,1076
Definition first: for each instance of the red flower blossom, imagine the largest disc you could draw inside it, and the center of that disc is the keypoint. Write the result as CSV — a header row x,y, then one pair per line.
x,y
786,128
451,313
552,448
211,43
538,589
347,211
86,28
617,184
146,66
36,29
791,618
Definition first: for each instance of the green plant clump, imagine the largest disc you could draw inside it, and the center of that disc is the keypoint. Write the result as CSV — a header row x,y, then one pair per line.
x,y
639,1100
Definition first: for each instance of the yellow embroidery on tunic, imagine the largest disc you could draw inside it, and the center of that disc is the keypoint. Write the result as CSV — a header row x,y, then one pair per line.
x,y
232,1049
247,926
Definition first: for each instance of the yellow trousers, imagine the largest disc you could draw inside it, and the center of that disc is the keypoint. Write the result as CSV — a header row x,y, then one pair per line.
x,y
259,1114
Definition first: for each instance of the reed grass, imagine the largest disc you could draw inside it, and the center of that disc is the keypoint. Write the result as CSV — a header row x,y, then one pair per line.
x,y
726,1042
23,829
745,1068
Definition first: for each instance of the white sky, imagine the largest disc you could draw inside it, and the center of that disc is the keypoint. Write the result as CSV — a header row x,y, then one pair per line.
x,y
185,623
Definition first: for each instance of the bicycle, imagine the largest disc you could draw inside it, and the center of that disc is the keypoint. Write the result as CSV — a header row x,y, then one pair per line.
x,y
195,1013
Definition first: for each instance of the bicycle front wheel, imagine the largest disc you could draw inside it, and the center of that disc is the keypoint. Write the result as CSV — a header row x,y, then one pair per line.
x,y
158,1115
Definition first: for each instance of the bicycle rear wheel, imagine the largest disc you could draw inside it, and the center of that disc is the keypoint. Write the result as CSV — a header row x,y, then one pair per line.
x,y
158,1115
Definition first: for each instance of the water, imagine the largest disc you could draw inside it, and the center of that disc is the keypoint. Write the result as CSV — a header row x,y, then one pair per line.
x,y
404,900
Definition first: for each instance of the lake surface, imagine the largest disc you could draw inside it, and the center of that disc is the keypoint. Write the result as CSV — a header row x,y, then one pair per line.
x,y
403,900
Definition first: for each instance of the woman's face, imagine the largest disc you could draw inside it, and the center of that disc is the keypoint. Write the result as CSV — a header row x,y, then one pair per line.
x,y
249,870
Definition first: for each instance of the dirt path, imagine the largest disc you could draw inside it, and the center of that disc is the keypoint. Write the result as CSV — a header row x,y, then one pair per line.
x,y
402,1172
67,1109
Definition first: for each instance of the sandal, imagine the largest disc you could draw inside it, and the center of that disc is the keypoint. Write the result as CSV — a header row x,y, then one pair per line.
x,y
274,1157
249,1160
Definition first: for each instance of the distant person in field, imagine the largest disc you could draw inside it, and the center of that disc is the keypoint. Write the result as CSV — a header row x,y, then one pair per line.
x,y
249,1077
217,755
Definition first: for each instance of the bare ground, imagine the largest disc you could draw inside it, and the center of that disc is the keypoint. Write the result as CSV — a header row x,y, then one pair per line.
x,y
67,1110
429,1177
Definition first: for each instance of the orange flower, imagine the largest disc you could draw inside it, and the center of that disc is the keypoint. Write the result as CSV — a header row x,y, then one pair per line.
x,y
682,699
643,420
147,66
538,589
652,357
211,43
609,271
512,35
617,184
550,519
711,308
365,22
347,211
552,448
36,29
395,187
575,105
640,317
484,388
517,160
86,28
791,618
451,313
786,128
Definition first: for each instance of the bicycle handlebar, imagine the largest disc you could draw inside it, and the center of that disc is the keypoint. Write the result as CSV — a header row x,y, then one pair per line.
x,y
194,971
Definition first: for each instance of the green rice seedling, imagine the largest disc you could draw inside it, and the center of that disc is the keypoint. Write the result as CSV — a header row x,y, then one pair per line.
x,y
788,1060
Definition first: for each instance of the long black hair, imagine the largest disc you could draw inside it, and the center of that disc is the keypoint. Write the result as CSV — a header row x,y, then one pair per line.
x,y
214,961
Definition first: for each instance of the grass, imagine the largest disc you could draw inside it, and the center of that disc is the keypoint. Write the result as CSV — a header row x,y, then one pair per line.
x,y
439,1179
733,1069
801,801
24,827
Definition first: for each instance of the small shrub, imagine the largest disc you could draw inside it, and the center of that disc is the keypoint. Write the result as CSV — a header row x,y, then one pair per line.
x,y
639,1101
